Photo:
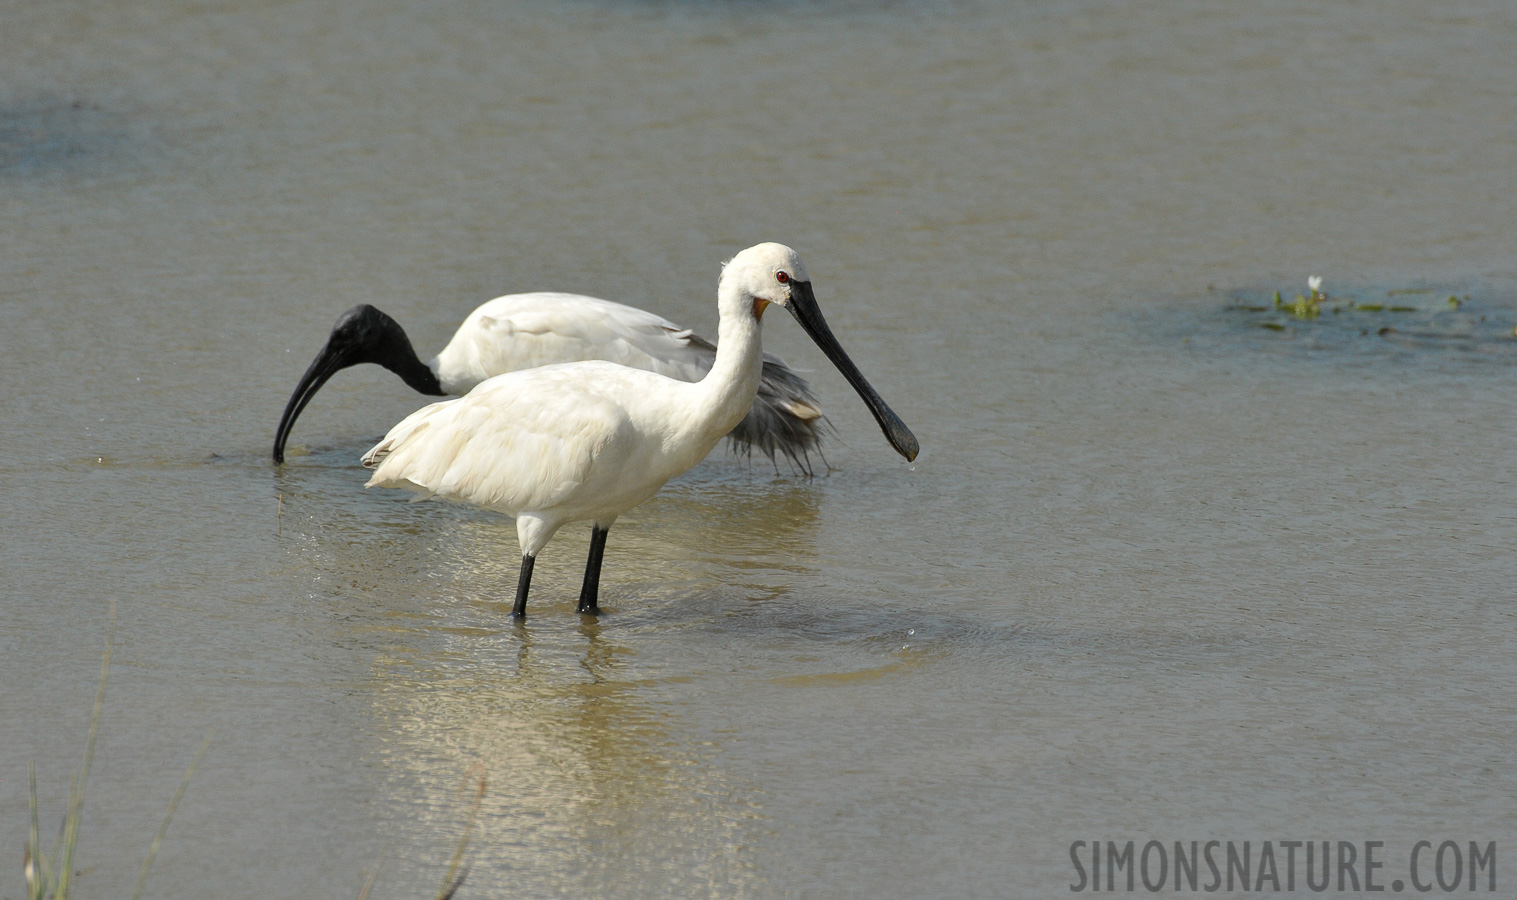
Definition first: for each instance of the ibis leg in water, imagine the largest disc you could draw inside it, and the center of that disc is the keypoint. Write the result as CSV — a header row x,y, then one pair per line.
x,y
588,441
523,331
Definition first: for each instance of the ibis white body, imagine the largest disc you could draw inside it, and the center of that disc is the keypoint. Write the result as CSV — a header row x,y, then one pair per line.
x,y
524,331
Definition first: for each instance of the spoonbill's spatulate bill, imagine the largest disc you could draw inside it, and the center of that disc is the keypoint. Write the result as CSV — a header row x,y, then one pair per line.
x,y
523,331
588,441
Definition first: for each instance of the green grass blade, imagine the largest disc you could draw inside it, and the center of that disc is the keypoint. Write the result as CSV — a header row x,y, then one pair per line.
x,y
453,880
76,796
373,877
184,783
36,864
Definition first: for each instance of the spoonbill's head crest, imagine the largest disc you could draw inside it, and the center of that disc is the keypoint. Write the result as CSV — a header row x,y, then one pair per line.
x,y
773,273
768,272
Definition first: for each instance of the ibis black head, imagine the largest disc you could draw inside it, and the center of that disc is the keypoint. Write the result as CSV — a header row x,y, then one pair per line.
x,y
363,334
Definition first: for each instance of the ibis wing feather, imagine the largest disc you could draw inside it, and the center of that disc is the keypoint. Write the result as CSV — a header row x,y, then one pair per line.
x,y
522,331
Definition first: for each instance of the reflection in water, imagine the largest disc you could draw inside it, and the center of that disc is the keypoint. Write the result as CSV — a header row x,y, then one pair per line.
x,y
591,785
593,780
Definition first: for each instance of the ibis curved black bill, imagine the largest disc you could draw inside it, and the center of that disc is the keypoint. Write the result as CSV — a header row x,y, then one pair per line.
x,y
363,334
803,307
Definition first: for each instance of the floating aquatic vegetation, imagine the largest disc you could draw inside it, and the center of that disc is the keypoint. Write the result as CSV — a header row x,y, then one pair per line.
x,y
1308,307
1368,318
1316,300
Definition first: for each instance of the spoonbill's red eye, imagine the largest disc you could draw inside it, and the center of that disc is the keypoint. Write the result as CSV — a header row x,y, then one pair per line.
x,y
782,276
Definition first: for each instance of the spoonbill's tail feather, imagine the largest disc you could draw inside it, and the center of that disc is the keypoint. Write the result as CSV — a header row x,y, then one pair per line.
x,y
786,417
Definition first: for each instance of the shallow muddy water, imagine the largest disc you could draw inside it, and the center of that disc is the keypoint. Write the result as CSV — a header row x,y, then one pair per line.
x,y
1174,564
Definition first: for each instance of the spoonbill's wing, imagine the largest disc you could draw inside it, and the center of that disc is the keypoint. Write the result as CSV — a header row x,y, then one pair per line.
x,y
519,442
522,331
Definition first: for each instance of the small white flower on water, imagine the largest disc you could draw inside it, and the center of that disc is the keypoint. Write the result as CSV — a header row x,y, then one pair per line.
x,y
1314,282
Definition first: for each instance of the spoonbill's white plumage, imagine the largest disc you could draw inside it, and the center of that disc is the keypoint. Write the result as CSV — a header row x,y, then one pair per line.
x,y
523,331
588,441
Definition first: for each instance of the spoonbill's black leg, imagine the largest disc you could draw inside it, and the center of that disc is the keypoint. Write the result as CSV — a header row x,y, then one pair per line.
x,y
522,583
588,595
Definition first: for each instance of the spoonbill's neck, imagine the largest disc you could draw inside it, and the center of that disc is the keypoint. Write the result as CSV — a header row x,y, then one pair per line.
x,y
726,393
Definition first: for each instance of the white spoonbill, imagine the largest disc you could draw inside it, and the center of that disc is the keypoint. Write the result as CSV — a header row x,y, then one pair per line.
x,y
523,331
590,440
